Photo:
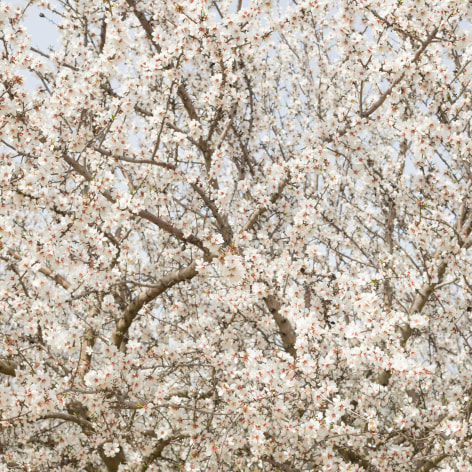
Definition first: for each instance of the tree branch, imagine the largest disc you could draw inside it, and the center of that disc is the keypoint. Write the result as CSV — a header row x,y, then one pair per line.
x,y
112,463
59,279
144,23
386,94
147,296
145,214
155,454
286,330
432,463
72,418
423,295
221,220
255,216
187,102
7,368
354,458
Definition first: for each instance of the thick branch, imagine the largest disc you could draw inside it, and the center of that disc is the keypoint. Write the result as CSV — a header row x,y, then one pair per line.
x,y
187,102
85,358
112,463
103,35
7,368
286,330
155,454
87,425
147,296
144,23
64,283
432,463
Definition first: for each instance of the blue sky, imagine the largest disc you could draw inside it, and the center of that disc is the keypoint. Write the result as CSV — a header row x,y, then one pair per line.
x,y
42,29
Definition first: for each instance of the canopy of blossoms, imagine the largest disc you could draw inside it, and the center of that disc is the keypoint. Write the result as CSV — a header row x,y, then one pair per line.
x,y
236,235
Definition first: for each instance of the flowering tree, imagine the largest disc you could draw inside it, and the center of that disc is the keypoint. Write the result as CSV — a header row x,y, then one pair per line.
x,y
236,235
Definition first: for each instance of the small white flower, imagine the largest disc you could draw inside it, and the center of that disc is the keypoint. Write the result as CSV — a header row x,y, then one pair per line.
x,y
111,449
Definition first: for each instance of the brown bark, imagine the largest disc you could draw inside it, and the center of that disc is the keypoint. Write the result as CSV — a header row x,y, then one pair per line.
x,y
286,329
